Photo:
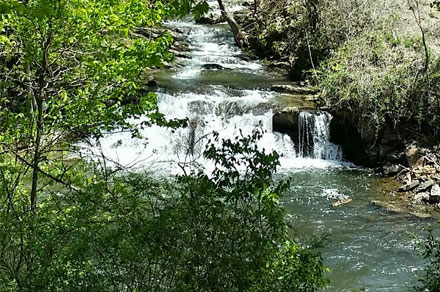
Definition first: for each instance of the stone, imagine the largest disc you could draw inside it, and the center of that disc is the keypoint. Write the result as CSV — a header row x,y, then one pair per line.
x,y
421,215
151,82
293,89
392,169
341,202
211,19
286,120
387,206
409,186
280,65
212,67
412,155
420,163
435,194
421,197
424,186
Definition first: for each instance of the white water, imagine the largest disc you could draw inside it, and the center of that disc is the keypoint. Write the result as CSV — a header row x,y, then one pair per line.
x,y
367,249
214,108
210,45
314,136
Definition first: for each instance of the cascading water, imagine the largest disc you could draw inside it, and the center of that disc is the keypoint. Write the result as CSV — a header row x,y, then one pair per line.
x,y
314,136
216,108
368,249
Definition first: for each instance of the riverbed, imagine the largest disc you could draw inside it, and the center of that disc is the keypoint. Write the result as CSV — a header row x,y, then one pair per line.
x,y
368,247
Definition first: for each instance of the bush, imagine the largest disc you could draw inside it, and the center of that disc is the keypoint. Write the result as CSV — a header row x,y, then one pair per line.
x,y
429,280
225,231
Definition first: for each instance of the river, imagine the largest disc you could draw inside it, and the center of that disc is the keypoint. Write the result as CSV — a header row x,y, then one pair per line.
x,y
367,247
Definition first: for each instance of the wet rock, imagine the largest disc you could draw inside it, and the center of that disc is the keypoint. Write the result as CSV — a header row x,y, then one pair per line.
x,y
334,194
151,82
210,19
392,169
435,194
341,202
280,65
412,154
424,186
286,120
421,215
409,186
179,54
200,107
212,67
387,206
292,89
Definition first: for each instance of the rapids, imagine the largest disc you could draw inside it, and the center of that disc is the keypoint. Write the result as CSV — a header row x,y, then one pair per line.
x,y
368,247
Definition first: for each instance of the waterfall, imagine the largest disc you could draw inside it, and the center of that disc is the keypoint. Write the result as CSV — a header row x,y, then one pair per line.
x,y
314,136
213,107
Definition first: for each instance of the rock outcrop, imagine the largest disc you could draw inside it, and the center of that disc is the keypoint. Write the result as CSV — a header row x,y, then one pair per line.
x,y
421,177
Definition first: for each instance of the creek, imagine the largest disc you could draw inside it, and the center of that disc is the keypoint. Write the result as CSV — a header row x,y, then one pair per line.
x,y
221,89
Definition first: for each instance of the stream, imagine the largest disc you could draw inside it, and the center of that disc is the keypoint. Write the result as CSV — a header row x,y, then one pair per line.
x,y
367,247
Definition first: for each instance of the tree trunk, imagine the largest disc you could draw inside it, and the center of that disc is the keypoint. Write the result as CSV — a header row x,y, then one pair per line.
x,y
36,159
39,99
239,36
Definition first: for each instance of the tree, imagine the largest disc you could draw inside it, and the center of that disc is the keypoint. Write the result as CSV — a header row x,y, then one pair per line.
x,y
219,231
68,67
238,32
69,224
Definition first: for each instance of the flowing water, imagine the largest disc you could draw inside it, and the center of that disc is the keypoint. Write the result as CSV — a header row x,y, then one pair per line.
x,y
367,248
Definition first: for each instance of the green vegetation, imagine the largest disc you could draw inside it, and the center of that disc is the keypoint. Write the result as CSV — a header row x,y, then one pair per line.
x,y
68,69
377,62
429,280
223,232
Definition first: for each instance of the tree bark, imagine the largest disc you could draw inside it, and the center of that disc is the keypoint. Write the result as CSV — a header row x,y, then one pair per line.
x,y
239,36
36,159
39,99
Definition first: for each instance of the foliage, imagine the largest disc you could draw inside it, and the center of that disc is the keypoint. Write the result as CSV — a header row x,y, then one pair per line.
x,y
224,231
303,33
369,76
375,62
68,69
430,279
381,80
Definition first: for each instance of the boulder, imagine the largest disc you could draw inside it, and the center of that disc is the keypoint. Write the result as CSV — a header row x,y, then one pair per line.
x,y
341,202
412,155
424,186
280,65
212,67
286,120
151,82
421,197
409,186
210,19
392,169
387,206
292,89
435,194
421,215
